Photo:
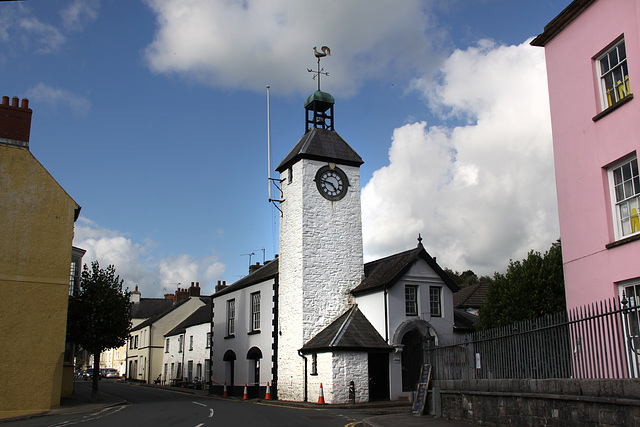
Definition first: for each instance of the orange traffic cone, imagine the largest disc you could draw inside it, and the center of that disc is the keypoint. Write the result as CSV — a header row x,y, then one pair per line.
x,y
267,395
321,397
225,393
245,396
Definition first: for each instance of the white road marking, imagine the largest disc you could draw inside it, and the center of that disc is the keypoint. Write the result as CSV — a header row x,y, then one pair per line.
x,y
198,403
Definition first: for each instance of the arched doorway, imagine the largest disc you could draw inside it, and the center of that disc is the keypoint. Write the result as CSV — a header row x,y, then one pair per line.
x,y
254,355
229,359
411,336
412,359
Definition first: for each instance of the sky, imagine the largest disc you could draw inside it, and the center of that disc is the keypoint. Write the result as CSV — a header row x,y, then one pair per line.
x,y
152,115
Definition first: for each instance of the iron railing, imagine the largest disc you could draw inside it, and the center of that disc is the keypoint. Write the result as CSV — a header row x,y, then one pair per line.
x,y
596,341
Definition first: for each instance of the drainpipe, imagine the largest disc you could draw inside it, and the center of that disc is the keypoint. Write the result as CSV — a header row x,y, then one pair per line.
x,y
386,317
305,373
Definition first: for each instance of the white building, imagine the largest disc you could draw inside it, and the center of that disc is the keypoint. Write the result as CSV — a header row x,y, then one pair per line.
x,y
187,349
325,317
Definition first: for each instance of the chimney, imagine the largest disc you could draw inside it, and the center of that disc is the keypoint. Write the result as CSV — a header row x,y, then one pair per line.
x,y
182,294
15,122
253,268
135,296
171,297
194,290
221,285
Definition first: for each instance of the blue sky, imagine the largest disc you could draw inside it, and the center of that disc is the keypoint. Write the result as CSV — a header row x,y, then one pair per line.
x,y
152,115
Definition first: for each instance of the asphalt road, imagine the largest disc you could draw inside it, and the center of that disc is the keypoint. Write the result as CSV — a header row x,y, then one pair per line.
x,y
159,407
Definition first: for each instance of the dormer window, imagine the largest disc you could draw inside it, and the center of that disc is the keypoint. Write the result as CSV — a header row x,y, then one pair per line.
x,y
614,75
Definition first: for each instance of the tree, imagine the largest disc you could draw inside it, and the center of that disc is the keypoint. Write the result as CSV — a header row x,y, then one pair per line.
x,y
99,315
466,278
531,288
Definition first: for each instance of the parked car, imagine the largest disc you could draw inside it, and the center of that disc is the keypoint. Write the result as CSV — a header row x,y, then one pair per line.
x,y
110,373
87,374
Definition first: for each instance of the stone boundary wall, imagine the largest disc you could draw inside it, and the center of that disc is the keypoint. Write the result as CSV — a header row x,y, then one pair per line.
x,y
554,402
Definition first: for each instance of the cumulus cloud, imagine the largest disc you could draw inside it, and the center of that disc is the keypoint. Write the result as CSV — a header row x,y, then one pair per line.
x,y
482,192
59,97
137,267
246,44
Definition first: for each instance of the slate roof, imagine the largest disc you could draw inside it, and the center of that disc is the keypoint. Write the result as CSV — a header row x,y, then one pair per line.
x,y
268,271
147,307
200,316
385,272
472,296
324,145
463,321
351,331
163,313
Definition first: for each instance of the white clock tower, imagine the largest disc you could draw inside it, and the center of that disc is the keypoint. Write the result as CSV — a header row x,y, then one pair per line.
x,y
320,239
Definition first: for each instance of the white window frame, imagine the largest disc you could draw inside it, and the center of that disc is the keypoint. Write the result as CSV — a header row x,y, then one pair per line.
x,y
255,311
231,317
408,290
435,302
607,73
631,289
629,192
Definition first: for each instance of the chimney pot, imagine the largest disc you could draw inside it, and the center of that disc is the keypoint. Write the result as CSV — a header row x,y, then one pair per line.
x,y
15,122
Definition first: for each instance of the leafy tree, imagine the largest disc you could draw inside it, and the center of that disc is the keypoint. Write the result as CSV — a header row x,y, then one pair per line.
x,y
531,288
99,315
466,278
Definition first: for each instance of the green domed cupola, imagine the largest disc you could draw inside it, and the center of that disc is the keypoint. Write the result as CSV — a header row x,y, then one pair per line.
x,y
319,111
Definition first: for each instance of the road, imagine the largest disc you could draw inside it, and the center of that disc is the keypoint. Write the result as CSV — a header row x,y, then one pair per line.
x,y
149,406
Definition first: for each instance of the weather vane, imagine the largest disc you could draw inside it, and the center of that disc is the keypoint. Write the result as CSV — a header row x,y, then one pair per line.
x,y
325,51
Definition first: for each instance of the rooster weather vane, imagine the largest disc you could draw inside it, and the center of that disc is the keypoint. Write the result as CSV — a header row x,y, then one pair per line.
x,y
325,51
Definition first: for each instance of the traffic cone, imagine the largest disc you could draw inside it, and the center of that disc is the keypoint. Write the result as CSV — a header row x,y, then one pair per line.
x,y
225,393
321,397
267,395
245,396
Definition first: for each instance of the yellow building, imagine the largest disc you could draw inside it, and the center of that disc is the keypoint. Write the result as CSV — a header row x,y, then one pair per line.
x,y
36,232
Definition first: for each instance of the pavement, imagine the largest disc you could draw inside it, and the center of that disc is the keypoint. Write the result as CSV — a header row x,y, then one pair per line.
x,y
393,414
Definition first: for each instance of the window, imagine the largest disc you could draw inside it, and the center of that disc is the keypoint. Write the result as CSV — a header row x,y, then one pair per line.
x,y
632,326
625,187
255,311
411,300
614,75
190,342
180,344
166,346
209,335
434,301
231,316
135,342
314,364
72,279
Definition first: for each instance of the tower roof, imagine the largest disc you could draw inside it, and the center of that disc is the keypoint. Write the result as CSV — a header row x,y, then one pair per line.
x,y
324,145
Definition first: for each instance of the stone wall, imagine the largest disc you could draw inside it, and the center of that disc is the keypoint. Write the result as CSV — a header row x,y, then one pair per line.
x,y
560,402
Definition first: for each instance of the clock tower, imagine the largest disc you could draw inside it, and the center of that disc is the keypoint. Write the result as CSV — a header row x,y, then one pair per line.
x,y
320,239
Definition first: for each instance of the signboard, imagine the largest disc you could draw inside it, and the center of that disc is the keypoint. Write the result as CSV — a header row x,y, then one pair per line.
x,y
421,393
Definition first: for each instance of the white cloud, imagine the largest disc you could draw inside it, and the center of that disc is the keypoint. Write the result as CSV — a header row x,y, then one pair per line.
x,y
79,14
481,193
19,28
247,44
59,97
135,265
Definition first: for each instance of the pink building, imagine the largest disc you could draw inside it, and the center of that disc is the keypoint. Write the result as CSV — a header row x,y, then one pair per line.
x,y
592,51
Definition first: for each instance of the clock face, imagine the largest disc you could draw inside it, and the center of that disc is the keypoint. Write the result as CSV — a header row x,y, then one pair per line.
x,y
332,183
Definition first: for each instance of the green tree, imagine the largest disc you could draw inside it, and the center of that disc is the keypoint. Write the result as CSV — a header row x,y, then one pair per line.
x,y
531,288
99,315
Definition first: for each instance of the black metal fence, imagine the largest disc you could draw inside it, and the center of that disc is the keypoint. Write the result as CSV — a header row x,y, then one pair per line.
x,y
596,341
